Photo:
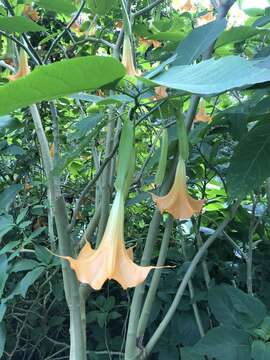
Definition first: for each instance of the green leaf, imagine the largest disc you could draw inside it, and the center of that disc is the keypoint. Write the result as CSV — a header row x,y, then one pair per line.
x,y
197,41
13,150
25,264
86,125
260,350
34,234
19,24
43,254
101,319
262,21
249,165
187,328
183,143
109,304
6,224
3,308
224,343
2,338
237,34
167,36
188,354
214,76
169,352
163,158
8,195
60,79
126,154
233,307
21,215
114,315
22,287
8,122
58,6
3,273
101,7
3,279
101,100
253,8
264,329
9,246
193,46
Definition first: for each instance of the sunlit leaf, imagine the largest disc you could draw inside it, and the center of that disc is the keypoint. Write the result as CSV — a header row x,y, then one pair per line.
x,y
19,24
59,79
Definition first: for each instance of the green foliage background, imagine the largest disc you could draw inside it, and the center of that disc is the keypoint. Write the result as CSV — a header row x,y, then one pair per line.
x,y
229,161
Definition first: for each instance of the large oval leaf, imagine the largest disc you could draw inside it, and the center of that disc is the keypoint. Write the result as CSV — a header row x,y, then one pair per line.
x,y
249,165
19,24
218,340
197,41
101,7
260,350
59,79
214,76
233,307
58,6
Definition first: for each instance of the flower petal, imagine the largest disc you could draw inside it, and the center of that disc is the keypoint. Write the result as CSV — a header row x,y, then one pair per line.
x,y
178,202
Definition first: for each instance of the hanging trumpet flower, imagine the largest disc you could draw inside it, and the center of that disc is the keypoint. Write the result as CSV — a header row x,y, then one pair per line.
x,y
111,260
183,5
30,12
23,69
202,115
127,57
178,202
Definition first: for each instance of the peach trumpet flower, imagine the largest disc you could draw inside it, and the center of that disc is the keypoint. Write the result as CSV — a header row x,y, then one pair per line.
x,y
178,202
161,92
183,5
111,260
23,70
30,12
202,115
127,58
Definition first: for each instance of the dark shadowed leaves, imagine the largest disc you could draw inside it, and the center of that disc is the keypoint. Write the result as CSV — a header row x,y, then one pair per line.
x,y
233,307
249,166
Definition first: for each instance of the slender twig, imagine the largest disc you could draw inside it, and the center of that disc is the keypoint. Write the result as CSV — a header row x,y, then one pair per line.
x,y
192,297
147,8
7,66
118,44
140,174
31,51
188,275
62,33
249,260
90,227
228,237
153,230
146,310
131,341
150,112
92,39
195,309
19,43
90,184
268,194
